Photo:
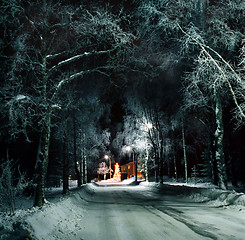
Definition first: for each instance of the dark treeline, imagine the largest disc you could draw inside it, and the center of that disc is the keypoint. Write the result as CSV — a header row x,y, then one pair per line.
x,y
81,79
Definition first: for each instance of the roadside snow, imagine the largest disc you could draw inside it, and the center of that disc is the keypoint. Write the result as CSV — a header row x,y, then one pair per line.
x,y
58,221
203,193
218,198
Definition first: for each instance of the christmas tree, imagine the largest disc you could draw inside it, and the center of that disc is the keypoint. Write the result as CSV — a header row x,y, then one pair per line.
x,y
117,174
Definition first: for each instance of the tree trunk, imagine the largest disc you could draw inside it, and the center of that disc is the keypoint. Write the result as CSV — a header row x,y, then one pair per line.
x,y
44,140
65,166
219,135
155,158
42,163
161,156
79,182
184,151
168,166
174,157
136,167
146,165
85,170
65,175
81,170
175,167
161,167
201,6
156,167
213,162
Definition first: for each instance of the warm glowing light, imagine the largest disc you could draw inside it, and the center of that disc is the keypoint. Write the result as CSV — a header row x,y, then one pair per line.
x,y
117,174
128,148
110,170
149,125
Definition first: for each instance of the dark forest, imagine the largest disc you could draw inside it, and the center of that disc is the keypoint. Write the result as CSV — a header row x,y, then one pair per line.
x,y
81,79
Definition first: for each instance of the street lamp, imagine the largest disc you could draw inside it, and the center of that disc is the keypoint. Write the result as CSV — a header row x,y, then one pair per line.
x,y
107,157
129,149
149,126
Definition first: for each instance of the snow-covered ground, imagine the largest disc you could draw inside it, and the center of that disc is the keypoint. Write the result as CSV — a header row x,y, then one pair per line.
x,y
40,223
65,217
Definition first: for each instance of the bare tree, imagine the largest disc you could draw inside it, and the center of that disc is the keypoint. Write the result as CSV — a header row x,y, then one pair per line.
x,y
12,185
103,169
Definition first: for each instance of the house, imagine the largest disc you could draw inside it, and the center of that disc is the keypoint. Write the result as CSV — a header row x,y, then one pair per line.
x,y
128,170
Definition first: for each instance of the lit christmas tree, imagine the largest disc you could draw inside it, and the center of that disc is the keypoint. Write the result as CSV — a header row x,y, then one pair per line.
x,y
117,174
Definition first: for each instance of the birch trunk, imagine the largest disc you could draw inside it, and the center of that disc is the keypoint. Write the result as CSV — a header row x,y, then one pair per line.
x,y
184,151
81,170
146,165
83,160
219,153
85,170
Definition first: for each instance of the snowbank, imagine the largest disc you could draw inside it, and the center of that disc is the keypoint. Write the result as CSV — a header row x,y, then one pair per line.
x,y
12,227
217,197
202,192
58,220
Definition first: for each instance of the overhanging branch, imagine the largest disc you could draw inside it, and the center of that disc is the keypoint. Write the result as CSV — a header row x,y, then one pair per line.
x,y
204,49
79,56
67,80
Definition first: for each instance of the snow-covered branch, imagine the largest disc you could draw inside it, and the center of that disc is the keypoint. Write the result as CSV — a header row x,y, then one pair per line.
x,y
78,57
221,69
67,80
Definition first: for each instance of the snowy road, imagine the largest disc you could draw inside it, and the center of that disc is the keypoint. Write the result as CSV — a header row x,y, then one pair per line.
x,y
134,212
144,212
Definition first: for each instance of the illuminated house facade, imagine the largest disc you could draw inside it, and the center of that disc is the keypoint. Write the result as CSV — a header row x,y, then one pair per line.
x,y
129,169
